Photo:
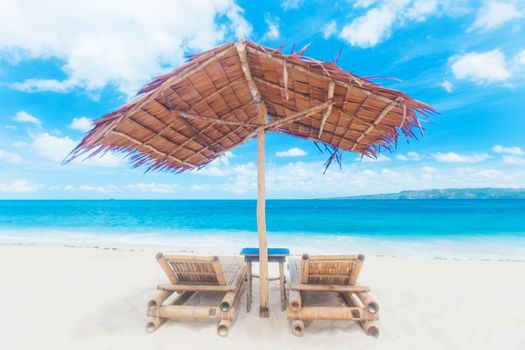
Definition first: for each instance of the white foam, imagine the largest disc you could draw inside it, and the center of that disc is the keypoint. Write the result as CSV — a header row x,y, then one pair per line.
x,y
472,247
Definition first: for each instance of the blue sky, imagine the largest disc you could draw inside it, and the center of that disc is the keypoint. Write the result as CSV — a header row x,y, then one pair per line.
x,y
63,63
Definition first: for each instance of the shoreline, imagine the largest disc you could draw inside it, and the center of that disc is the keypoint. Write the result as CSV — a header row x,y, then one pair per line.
x,y
491,248
153,249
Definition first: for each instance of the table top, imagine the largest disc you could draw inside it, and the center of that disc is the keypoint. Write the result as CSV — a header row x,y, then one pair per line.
x,y
271,251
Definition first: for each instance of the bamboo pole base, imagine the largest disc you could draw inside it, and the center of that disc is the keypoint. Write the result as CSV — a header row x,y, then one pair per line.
x,y
264,312
370,328
153,324
297,327
249,286
223,327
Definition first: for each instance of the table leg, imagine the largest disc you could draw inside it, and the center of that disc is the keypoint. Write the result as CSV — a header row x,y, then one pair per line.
x,y
249,291
282,285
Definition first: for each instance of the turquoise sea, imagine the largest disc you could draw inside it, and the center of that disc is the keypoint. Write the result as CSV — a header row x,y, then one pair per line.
x,y
455,228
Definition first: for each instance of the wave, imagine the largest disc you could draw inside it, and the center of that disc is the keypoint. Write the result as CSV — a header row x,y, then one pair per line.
x,y
501,246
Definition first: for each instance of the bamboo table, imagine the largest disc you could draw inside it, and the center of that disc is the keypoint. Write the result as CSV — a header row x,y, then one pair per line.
x,y
274,255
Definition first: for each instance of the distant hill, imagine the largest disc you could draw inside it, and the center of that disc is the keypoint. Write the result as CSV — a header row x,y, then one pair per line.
x,y
450,193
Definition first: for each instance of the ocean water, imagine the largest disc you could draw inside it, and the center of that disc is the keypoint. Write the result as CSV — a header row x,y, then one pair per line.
x,y
444,228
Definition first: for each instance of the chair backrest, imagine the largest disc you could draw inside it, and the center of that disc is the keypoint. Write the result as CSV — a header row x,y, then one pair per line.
x,y
331,269
184,269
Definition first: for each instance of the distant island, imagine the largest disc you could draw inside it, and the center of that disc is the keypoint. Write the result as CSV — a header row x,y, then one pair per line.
x,y
450,193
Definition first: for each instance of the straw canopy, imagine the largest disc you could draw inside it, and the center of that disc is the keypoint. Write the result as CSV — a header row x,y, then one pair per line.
x,y
213,103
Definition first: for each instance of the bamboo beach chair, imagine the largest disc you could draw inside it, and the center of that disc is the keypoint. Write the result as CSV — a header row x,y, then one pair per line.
x,y
334,274
194,275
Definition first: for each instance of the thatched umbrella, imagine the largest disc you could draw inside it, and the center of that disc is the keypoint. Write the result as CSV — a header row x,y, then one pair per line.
x,y
226,96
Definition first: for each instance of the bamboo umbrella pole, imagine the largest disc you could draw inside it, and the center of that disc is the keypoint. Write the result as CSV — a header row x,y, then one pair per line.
x,y
261,222
261,182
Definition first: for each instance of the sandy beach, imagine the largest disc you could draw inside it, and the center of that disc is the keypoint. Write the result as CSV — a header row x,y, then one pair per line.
x,y
95,298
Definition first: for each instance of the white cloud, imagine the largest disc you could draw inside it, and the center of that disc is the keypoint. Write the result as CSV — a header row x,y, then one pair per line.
x,y
290,4
244,179
218,167
153,187
409,156
364,3
377,24
513,160
419,10
240,186
19,186
120,42
52,147
484,67
37,85
241,179
24,117
453,157
201,188
212,170
89,188
514,150
224,159
241,27
56,148
369,29
292,152
447,85
379,159
429,173
429,169
248,169
329,29
306,179
520,57
108,160
494,14
10,157
490,173
82,124
273,28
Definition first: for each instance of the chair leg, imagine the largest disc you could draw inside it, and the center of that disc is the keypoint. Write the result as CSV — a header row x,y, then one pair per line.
x,y
282,286
249,291
154,323
297,327
223,327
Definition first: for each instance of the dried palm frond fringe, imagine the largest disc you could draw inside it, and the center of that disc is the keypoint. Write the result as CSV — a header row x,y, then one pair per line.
x,y
185,119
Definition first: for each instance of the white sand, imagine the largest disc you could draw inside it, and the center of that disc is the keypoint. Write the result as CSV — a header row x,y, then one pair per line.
x,y
86,298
